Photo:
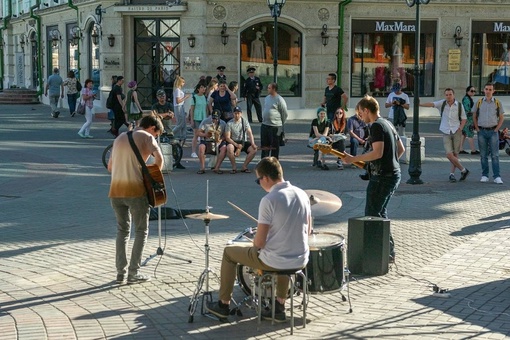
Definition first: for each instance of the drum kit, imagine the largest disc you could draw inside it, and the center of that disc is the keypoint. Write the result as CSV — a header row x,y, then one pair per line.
x,y
326,267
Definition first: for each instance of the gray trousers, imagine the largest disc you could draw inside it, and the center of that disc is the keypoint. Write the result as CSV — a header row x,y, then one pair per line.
x,y
129,210
54,102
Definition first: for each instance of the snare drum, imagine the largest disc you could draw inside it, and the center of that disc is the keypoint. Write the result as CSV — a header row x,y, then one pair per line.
x,y
325,268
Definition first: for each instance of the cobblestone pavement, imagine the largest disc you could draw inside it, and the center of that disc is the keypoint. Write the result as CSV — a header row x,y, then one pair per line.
x,y
57,245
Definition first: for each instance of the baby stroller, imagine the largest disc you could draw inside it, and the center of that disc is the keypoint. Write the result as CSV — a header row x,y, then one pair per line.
x,y
503,141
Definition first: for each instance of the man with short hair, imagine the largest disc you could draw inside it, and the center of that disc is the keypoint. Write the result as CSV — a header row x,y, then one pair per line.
x,y
356,128
55,89
281,241
163,109
273,118
212,129
453,119
221,74
384,167
128,195
334,97
251,92
240,139
488,119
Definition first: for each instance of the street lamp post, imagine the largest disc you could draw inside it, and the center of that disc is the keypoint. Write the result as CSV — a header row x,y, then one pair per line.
x,y
415,157
275,6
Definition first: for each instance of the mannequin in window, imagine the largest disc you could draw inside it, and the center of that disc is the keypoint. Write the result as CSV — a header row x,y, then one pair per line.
x,y
379,53
397,68
257,48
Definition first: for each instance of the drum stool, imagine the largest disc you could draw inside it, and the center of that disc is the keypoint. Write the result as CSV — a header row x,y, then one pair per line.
x,y
273,275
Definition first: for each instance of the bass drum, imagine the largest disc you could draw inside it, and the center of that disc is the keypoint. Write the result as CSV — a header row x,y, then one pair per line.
x,y
325,268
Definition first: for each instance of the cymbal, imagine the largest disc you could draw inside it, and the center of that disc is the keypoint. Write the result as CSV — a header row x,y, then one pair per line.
x,y
207,216
323,203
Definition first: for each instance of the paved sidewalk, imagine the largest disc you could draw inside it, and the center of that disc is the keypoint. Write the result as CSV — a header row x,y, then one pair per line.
x,y
57,233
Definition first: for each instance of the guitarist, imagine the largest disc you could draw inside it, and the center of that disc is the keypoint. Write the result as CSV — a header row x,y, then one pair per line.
x,y
128,195
384,167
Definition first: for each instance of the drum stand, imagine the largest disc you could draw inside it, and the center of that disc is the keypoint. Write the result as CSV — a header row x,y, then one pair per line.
x,y
160,251
204,277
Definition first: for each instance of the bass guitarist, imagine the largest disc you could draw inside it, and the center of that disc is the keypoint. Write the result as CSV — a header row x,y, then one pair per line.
x,y
128,195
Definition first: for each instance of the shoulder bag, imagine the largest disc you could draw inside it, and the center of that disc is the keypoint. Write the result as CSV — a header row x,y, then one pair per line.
x,y
80,108
152,178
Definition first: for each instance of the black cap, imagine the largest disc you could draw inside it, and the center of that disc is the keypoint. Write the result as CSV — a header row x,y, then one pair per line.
x,y
215,114
237,109
221,68
250,69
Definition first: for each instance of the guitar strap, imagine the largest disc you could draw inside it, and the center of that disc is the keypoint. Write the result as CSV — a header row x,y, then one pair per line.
x,y
145,171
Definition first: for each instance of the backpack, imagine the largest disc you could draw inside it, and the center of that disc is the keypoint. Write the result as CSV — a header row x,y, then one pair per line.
x,y
458,104
479,103
78,86
109,101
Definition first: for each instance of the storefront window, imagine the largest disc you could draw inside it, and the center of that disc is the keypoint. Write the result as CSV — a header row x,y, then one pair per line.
x,y
72,50
490,55
383,51
257,43
93,55
52,49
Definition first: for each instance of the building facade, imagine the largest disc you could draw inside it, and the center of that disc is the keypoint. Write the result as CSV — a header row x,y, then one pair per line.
x,y
370,42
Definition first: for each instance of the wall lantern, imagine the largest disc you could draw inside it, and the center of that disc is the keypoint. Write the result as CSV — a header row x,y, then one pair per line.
x,y
191,40
95,36
75,36
224,35
324,35
457,36
33,41
22,42
55,38
111,40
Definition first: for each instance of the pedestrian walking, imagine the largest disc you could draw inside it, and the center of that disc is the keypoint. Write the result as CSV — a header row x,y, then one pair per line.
x,y
54,90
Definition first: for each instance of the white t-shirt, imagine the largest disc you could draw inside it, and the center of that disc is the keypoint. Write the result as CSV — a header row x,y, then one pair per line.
x,y
390,99
286,209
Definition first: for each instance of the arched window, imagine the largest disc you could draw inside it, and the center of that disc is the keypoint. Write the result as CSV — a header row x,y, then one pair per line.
x,y
257,43
93,56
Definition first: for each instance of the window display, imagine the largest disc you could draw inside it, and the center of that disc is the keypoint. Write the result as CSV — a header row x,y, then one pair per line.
x,y
383,52
490,55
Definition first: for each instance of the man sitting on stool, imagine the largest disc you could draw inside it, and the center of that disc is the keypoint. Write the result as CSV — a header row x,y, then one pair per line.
x,y
281,241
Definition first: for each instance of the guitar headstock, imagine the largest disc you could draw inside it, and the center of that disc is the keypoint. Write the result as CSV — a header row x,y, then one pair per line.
x,y
325,148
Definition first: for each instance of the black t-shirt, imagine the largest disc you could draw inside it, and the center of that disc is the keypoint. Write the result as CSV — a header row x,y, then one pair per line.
x,y
320,126
382,131
117,90
162,108
333,98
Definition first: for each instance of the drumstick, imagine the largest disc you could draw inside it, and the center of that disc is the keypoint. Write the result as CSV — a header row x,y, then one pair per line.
x,y
241,210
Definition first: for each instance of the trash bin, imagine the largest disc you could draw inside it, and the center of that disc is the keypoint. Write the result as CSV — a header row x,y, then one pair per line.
x,y
368,245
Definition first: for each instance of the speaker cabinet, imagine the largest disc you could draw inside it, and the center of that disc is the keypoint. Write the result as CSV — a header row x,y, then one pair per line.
x,y
368,245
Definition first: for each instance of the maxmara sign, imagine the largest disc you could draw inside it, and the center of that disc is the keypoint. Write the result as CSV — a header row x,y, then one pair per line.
x,y
501,27
396,26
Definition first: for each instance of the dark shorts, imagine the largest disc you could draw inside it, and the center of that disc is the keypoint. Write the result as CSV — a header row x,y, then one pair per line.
x,y
246,145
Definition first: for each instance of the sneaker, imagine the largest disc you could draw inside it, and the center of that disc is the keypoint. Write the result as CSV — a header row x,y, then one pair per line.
x,y
89,136
464,174
319,164
179,166
56,114
484,179
498,180
120,279
194,155
452,178
325,167
462,152
81,135
138,278
340,167
52,115
217,308
476,152
279,313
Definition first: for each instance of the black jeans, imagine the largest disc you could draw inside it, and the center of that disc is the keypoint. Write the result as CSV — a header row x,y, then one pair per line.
x,y
380,189
252,100
269,139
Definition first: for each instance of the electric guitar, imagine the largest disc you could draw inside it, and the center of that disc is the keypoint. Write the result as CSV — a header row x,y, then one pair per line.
x,y
327,149
155,185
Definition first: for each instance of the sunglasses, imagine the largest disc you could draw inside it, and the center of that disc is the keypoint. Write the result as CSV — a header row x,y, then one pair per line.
x,y
473,91
258,180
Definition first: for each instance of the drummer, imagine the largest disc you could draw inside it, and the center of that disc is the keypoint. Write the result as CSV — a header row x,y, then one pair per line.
x,y
281,242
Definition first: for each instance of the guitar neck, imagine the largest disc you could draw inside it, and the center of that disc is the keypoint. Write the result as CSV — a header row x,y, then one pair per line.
x,y
359,164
